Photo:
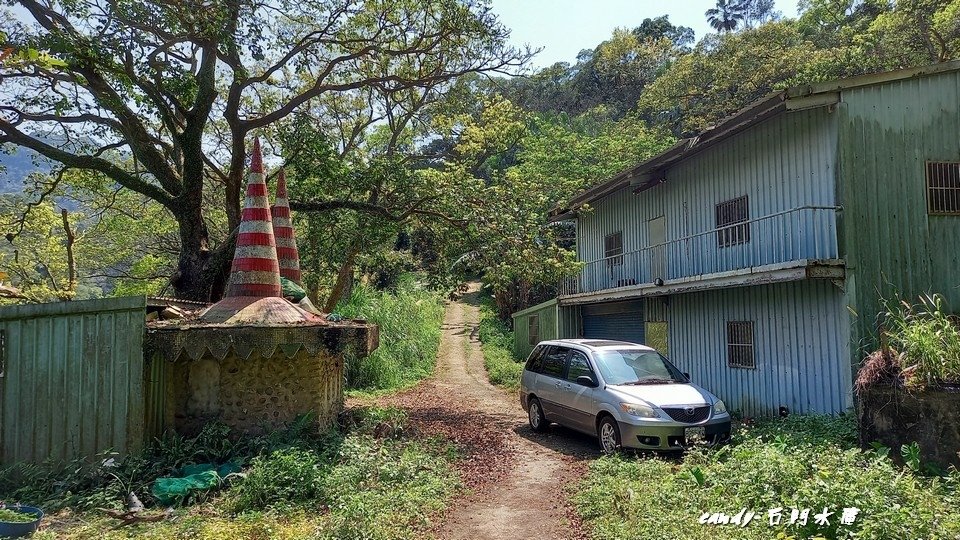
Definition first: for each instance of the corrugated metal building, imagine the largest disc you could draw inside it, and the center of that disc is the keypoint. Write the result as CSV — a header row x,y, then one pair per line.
x,y
542,322
753,254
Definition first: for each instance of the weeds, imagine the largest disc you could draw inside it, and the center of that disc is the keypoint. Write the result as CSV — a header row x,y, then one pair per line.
x,y
926,339
370,482
409,319
503,368
798,462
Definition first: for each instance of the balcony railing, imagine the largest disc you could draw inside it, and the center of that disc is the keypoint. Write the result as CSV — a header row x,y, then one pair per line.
x,y
807,232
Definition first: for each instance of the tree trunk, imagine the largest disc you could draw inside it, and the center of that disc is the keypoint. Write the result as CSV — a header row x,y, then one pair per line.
x,y
192,280
343,279
71,259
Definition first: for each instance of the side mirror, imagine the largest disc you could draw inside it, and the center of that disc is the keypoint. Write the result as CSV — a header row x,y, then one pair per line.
x,y
586,380
687,375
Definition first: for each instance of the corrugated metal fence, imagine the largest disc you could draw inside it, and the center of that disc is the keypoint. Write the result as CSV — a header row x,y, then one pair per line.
x,y
72,379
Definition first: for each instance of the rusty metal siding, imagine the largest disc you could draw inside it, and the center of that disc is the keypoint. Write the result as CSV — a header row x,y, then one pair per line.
x,y
887,133
784,163
547,312
73,379
800,346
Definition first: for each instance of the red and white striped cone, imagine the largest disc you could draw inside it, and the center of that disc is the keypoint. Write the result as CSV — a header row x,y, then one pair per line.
x,y
284,234
255,271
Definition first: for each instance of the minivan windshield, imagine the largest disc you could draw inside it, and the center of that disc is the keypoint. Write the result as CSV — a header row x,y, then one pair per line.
x,y
636,366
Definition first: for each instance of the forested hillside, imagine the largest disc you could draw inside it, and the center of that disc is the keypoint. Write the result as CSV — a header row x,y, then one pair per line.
x,y
436,151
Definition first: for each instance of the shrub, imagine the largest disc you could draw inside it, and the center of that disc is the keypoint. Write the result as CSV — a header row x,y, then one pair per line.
x,y
409,318
503,368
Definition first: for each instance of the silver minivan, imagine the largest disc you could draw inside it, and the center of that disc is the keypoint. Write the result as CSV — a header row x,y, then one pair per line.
x,y
627,395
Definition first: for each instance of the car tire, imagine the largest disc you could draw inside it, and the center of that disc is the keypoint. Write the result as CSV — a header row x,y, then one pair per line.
x,y
608,435
538,422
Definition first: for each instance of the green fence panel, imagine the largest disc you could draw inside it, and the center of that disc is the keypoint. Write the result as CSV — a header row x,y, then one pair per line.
x,y
71,379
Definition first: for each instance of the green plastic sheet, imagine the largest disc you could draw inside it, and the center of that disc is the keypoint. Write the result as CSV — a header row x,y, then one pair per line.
x,y
171,490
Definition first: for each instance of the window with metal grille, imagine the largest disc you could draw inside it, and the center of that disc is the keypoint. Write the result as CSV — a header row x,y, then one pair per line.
x,y
728,215
613,248
943,188
533,329
740,344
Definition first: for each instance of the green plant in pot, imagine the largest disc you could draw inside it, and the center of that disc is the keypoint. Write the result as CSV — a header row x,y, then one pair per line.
x,y
18,520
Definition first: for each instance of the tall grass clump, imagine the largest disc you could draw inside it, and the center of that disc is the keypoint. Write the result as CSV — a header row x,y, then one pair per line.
x,y
409,318
926,341
503,368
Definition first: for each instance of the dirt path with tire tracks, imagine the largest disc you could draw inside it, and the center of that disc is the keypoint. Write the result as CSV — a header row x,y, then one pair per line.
x,y
517,478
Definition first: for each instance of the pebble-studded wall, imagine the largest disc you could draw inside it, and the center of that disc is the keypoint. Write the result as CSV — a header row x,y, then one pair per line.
x,y
254,395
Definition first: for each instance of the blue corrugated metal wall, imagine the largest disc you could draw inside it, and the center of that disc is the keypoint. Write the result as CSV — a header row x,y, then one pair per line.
x,y
72,381
801,332
783,163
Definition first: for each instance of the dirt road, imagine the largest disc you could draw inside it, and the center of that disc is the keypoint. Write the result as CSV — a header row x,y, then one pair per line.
x,y
517,477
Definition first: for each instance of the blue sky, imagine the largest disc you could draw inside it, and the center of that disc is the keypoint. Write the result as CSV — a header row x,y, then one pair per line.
x,y
565,27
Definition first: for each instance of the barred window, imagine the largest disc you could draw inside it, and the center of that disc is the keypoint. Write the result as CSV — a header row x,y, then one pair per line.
x,y
533,329
728,215
740,344
613,248
943,188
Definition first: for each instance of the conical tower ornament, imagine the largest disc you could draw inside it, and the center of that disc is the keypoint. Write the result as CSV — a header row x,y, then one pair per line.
x,y
255,271
289,257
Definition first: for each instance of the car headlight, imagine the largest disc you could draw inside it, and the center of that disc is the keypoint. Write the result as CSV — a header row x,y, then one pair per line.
x,y
639,410
719,407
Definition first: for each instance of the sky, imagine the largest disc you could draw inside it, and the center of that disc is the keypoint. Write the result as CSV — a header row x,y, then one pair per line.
x,y
565,27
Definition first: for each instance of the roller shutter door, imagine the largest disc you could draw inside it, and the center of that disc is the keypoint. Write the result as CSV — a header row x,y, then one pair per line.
x,y
622,325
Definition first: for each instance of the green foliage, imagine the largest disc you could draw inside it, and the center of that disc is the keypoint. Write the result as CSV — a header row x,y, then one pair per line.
x,y
409,318
287,476
503,368
793,463
927,339
387,488
804,430
12,516
370,482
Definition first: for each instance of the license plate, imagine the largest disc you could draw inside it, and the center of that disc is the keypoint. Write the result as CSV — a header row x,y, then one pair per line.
x,y
692,434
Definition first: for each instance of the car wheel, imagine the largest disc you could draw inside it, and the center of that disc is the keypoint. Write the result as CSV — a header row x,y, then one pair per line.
x,y
608,432
538,422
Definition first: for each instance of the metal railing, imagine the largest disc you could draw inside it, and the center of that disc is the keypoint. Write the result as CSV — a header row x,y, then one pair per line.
x,y
806,232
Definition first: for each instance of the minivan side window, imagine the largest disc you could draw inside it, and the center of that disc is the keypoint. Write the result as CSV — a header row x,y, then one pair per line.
x,y
535,361
578,366
554,361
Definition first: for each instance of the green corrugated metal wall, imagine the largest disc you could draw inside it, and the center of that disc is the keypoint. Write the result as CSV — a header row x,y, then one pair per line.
x,y
887,133
547,312
72,381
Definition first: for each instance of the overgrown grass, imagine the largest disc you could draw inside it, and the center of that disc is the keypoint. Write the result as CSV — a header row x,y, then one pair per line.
x,y
800,462
372,482
503,368
927,340
409,318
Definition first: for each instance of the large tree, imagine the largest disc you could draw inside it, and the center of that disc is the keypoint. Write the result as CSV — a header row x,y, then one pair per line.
x,y
178,88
